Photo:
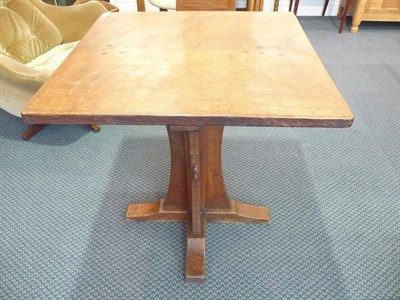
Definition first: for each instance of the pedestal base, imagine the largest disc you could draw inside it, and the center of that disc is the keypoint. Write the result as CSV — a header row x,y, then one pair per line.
x,y
196,193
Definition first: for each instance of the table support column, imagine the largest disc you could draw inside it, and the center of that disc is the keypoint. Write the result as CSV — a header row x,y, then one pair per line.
x,y
196,193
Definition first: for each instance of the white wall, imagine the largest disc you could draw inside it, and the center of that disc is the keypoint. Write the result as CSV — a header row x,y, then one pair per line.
x,y
306,7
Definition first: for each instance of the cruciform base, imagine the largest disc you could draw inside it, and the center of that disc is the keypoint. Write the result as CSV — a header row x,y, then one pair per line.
x,y
196,193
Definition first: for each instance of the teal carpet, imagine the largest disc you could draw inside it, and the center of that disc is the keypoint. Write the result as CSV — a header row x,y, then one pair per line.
x,y
333,194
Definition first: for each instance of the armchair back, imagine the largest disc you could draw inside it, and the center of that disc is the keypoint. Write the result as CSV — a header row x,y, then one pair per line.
x,y
25,32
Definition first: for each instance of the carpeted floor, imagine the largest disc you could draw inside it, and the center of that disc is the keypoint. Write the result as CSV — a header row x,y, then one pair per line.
x,y
334,198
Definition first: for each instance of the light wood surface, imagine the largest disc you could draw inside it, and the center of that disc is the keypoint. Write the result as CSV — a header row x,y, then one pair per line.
x,y
192,68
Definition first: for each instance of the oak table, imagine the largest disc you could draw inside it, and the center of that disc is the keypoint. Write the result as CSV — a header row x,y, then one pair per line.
x,y
194,72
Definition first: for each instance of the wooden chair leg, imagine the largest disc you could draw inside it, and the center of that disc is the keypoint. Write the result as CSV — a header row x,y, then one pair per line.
x,y
346,10
296,6
140,5
94,128
325,7
290,5
32,130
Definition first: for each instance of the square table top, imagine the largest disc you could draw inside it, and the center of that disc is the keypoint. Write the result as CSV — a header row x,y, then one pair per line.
x,y
192,68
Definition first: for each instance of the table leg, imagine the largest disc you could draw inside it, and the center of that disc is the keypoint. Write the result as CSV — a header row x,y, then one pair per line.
x,y
250,5
140,5
296,6
255,5
259,5
344,16
276,5
325,7
196,193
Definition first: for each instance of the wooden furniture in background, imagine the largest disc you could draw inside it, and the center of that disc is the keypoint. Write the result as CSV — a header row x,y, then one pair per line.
x,y
325,6
276,5
186,71
343,15
370,10
296,6
189,5
255,5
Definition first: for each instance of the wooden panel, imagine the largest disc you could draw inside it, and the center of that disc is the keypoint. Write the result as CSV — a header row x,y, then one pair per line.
x,y
382,5
377,4
205,5
192,68
367,8
391,4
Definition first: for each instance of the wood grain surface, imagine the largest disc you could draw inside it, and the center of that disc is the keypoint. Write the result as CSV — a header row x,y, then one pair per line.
x,y
194,69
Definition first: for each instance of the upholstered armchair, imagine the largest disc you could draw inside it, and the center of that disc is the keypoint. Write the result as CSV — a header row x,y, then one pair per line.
x,y
35,38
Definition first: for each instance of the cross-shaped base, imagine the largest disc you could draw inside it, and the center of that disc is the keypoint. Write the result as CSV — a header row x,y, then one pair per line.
x,y
196,193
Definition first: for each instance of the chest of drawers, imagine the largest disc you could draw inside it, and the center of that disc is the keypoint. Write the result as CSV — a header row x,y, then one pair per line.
x,y
372,10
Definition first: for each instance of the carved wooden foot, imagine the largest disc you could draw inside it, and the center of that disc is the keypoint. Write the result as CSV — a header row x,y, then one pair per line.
x,y
95,128
196,254
154,211
240,213
354,29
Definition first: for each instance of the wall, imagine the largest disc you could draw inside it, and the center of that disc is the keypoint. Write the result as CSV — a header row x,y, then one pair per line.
x,y
306,7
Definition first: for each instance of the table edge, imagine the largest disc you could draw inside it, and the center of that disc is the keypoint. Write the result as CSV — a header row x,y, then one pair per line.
x,y
188,121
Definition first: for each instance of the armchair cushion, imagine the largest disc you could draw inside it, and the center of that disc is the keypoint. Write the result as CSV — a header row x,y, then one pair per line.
x,y
25,32
73,21
51,60
165,4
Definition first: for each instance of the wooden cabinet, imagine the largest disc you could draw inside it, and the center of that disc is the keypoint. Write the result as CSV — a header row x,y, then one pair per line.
x,y
183,5
372,10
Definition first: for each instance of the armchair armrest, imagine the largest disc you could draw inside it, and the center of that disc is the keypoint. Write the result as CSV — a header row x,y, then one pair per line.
x,y
18,84
11,68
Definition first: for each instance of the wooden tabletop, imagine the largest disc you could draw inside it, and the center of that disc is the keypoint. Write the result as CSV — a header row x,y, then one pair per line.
x,y
192,68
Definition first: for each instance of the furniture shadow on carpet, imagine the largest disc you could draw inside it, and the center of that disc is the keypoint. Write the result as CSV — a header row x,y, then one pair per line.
x,y
144,260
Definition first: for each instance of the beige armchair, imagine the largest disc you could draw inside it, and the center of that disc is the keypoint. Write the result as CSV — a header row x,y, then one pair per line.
x,y
35,38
